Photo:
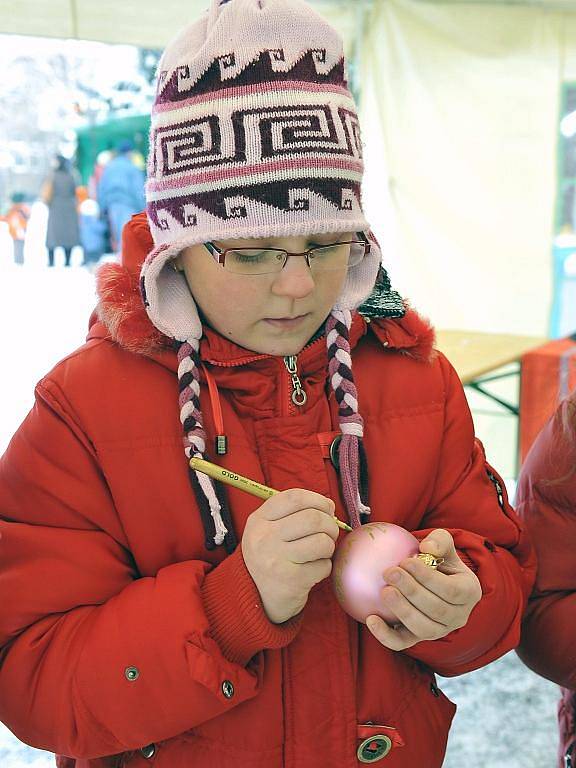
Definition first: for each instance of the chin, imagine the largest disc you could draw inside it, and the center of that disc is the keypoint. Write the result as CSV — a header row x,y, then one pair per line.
x,y
281,348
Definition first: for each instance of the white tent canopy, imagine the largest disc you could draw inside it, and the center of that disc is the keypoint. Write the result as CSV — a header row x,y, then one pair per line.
x,y
147,23
136,22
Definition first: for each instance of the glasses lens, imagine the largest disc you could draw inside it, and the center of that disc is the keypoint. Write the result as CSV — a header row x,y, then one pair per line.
x,y
254,261
336,256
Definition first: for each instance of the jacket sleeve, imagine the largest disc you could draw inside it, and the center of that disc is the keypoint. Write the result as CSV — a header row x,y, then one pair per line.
x,y
470,501
95,660
547,504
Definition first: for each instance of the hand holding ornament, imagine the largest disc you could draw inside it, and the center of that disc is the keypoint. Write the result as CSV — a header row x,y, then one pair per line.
x,y
427,604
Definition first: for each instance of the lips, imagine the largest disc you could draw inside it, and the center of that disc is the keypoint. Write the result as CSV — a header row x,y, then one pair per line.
x,y
285,322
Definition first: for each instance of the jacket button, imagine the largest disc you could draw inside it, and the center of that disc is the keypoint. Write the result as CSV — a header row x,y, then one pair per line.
x,y
375,748
148,751
334,458
227,689
132,673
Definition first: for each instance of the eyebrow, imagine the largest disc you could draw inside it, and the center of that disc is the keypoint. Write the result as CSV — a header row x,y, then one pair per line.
x,y
316,239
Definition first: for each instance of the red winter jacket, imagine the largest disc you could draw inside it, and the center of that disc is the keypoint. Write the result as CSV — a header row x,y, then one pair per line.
x,y
547,502
122,635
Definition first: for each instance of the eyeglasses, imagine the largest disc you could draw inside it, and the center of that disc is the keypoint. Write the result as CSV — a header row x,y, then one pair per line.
x,y
269,261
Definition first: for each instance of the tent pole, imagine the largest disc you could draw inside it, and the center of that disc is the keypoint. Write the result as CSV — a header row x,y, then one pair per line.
x,y
74,19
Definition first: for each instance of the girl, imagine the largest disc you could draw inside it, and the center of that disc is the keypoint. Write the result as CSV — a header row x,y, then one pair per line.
x,y
149,614
547,501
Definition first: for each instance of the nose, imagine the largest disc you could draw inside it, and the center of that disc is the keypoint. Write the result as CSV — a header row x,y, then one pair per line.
x,y
295,280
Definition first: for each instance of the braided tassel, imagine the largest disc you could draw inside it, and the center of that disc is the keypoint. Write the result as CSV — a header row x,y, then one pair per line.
x,y
350,451
195,436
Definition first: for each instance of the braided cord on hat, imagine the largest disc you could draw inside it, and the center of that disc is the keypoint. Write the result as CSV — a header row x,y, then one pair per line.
x,y
195,437
353,469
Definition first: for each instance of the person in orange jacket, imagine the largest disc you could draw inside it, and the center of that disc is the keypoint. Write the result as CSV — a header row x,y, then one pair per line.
x,y
152,614
546,499
17,219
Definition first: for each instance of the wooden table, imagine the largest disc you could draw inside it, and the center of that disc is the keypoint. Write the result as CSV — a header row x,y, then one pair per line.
x,y
474,355
477,356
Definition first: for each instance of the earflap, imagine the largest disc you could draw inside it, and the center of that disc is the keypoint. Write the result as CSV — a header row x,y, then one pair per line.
x,y
167,297
361,279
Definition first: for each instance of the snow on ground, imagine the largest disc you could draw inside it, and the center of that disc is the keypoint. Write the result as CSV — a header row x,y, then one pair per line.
x,y
506,716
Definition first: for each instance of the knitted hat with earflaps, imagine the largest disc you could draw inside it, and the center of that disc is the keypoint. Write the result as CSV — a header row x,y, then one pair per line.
x,y
255,134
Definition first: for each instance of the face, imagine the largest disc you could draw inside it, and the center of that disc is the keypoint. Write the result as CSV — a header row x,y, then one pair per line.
x,y
270,314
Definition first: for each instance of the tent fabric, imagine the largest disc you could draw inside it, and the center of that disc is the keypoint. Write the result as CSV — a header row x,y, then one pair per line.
x,y
462,111
146,23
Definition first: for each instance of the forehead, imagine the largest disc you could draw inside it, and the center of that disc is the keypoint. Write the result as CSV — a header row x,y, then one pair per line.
x,y
295,241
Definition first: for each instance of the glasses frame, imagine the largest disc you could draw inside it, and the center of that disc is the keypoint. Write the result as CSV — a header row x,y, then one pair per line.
x,y
219,254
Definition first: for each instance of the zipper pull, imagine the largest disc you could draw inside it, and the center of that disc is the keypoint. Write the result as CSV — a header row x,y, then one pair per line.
x,y
497,486
299,397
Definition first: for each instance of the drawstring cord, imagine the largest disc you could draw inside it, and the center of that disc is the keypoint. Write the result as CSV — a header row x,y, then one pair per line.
x,y
221,441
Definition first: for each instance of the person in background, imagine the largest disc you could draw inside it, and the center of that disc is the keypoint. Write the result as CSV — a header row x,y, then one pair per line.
x,y
546,500
102,160
121,191
59,194
17,218
92,232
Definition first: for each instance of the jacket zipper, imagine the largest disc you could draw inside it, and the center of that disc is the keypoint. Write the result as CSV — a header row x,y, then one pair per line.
x,y
497,485
298,395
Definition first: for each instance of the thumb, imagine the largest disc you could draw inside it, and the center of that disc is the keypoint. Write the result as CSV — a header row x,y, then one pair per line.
x,y
440,544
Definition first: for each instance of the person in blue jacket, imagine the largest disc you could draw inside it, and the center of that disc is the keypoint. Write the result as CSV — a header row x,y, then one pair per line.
x,y
121,191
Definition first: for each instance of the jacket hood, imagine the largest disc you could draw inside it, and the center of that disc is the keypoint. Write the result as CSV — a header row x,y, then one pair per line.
x,y
121,316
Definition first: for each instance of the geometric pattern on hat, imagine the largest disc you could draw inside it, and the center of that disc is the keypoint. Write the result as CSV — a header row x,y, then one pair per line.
x,y
307,198
270,66
303,125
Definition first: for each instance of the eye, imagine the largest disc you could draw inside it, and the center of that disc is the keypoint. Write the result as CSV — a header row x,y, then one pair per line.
x,y
249,256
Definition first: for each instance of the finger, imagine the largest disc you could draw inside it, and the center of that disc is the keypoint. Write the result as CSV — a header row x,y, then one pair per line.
x,y
317,571
423,599
454,588
414,620
307,522
440,543
287,502
396,639
317,547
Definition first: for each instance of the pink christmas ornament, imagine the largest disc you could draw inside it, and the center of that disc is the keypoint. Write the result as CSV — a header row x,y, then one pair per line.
x,y
359,564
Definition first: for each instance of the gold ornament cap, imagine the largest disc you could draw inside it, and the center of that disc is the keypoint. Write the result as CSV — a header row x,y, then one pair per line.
x,y
430,560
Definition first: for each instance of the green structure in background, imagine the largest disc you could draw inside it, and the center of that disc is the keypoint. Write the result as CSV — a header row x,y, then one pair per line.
x,y
106,136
